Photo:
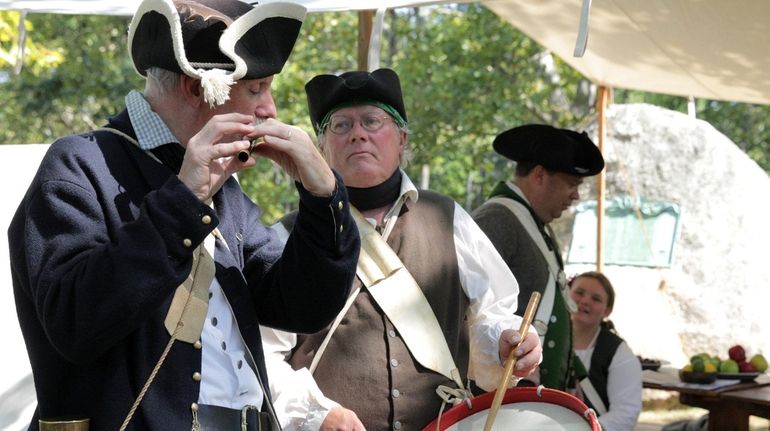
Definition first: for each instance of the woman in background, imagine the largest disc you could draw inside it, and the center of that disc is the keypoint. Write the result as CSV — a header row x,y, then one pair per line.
x,y
613,375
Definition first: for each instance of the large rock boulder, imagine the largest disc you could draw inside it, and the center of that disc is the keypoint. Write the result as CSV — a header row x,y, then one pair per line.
x,y
715,294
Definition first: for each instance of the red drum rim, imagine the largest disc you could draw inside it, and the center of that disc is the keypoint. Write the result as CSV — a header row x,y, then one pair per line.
x,y
516,395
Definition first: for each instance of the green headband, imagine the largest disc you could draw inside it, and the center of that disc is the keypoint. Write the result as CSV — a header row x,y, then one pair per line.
x,y
400,122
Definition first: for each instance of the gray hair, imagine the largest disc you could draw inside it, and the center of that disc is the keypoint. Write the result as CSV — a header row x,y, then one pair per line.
x,y
406,156
160,82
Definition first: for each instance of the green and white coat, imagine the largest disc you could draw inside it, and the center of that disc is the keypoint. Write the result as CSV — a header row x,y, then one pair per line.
x,y
522,240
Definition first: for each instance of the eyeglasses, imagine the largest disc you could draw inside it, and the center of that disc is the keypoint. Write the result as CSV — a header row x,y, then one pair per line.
x,y
341,125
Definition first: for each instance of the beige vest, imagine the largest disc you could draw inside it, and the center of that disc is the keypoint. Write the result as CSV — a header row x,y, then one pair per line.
x,y
366,366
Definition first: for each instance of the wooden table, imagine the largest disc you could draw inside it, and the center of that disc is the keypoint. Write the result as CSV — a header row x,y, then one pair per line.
x,y
729,406
756,401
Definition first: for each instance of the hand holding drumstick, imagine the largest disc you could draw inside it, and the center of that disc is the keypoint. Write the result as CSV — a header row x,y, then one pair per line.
x,y
510,363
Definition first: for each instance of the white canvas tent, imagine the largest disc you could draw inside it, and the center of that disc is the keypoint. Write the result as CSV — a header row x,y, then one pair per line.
x,y
709,49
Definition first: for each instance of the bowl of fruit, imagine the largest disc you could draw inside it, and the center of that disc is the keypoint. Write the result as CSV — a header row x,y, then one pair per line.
x,y
697,377
701,369
740,367
704,368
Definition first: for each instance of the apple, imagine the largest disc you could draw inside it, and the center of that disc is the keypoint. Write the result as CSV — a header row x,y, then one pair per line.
x,y
759,362
737,353
728,366
746,367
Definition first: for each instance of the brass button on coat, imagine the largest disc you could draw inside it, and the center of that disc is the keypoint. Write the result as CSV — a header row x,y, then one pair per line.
x,y
198,344
187,242
206,219
197,376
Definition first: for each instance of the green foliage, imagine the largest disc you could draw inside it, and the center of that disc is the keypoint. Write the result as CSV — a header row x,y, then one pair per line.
x,y
36,56
745,124
73,95
466,75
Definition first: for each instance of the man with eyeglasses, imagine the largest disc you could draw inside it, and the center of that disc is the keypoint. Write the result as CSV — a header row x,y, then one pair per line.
x,y
551,164
433,304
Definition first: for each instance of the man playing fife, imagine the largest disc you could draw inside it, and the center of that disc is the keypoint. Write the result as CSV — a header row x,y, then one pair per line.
x,y
141,270
433,304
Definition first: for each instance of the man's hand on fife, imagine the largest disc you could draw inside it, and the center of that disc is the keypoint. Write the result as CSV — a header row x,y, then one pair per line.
x,y
341,419
209,158
529,353
292,149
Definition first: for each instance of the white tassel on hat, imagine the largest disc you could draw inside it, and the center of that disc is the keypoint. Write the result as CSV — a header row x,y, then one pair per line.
x,y
216,86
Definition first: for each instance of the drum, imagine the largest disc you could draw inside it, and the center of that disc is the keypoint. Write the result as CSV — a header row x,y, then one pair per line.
x,y
536,409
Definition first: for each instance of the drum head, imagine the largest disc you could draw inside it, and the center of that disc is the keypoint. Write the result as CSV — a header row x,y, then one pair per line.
x,y
522,409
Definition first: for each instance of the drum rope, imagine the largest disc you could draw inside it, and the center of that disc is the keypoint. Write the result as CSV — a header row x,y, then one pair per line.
x,y
454,396
591,412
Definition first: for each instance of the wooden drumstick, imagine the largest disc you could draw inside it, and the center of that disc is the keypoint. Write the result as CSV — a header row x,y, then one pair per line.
x,y
529,314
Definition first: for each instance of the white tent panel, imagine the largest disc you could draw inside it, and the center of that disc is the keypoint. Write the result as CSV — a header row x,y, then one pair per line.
x,y
708,49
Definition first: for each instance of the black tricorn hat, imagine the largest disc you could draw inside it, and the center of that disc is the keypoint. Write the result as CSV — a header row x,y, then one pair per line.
x,y
326,92
560,150
216,41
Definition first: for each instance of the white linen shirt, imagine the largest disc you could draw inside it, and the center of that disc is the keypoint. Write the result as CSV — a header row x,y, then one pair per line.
x,y
487,281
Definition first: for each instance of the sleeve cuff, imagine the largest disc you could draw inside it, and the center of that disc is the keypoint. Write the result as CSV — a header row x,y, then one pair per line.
x,y
180,217
318,212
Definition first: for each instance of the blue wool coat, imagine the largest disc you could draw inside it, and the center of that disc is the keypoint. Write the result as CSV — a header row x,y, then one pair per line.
x,y
97,250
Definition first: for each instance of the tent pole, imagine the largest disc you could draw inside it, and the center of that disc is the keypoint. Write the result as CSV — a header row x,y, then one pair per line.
x,y
364,35
22,42
602,101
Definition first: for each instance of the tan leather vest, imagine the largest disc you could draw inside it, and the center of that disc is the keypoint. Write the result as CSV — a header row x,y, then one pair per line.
x,y
366,366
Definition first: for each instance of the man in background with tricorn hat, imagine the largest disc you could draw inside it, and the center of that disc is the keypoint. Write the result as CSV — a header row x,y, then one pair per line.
x,y
141,271
551,165
433,304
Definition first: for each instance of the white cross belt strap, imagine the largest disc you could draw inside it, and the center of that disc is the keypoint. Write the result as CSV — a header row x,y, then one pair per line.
x,y
556,275
590,392
191,299
402,300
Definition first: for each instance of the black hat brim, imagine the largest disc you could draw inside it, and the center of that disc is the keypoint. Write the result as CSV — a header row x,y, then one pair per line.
x,y
560,150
